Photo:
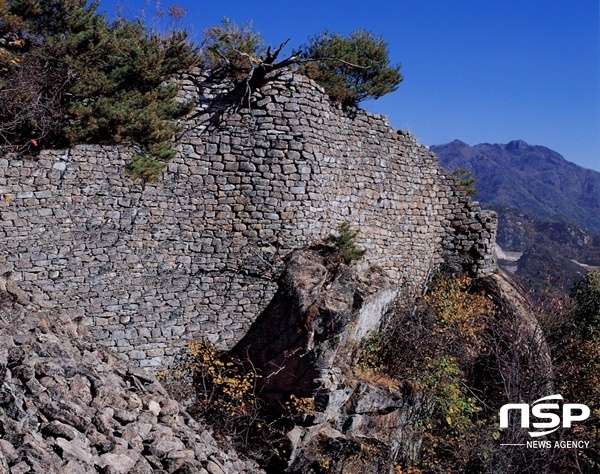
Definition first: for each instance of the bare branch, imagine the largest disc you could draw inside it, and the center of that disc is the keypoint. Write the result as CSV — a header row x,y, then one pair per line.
x,y
307,60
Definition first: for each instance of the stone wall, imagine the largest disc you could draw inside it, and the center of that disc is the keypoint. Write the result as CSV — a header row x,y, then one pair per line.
x,y
196,253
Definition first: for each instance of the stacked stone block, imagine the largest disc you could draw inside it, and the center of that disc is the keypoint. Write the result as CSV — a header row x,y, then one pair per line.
x,y
196,254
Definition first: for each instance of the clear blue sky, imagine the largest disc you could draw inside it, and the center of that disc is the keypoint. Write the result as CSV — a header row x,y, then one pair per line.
x,y
475,70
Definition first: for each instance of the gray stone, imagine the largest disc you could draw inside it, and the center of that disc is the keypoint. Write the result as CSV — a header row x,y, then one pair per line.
x,y
8,450
86,430
120,463
165,446
77,452
83,234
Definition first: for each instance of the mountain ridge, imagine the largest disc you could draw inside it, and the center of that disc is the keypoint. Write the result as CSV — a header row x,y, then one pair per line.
x,y
529,177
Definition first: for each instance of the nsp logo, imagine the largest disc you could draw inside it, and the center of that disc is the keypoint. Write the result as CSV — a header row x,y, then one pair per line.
x,y
545,411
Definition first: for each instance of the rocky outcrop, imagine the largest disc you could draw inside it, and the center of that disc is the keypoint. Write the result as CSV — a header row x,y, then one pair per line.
x,y
310,342
523,326
306,344
68,406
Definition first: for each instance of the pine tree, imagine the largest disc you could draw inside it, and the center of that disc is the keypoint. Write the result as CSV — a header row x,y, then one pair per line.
x,y
351,69
81,79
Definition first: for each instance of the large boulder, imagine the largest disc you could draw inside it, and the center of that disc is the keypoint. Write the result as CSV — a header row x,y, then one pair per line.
x,y
306,344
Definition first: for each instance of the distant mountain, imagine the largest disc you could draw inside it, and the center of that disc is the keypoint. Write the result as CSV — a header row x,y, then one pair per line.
x,y
519,230
545,254
528,177
548,211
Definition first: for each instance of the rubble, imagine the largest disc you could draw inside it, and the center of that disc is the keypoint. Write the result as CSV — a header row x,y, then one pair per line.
x,y
69,406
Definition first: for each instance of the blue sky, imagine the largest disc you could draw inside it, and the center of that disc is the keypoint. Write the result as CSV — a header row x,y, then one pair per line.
x,y
474,70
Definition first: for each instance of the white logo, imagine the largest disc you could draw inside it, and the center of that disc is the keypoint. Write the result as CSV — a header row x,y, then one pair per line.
x,y
545,411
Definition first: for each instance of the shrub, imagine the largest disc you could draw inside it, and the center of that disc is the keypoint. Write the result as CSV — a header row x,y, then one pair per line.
x,y
345,241
371,353
460,313
226,396
300,406
575,339
145,168
432,346
232,50
351,69
466,180
585,296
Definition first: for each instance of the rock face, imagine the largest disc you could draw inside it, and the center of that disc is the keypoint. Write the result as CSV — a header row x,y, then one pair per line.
x,y
197,253
306,343
524,321
309,343
67,406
